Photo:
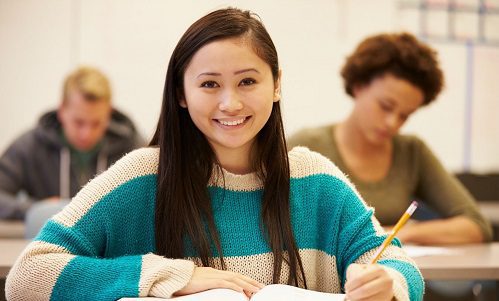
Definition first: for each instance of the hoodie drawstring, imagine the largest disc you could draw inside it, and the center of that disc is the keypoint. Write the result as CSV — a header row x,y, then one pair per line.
x,y
101,162
65,171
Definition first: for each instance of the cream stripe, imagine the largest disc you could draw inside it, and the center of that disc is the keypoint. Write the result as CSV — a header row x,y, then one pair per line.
x,y
161,277
234,182
304,162
400,287
138,163
320,269
35,272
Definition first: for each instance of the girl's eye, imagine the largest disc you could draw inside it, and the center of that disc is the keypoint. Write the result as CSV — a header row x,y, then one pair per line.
x,y
209,84
247,82
404,117
385,107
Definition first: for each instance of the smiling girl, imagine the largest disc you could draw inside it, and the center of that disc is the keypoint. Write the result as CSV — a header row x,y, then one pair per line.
x,y
216,201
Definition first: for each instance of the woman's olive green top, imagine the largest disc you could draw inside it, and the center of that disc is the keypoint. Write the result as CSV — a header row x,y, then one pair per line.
x,y
415,173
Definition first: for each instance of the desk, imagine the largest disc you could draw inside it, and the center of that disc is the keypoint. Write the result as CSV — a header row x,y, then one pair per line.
x,y
10,249
11,229
465,262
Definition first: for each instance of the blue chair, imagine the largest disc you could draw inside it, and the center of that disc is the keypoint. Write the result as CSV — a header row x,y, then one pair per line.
x,y
39,213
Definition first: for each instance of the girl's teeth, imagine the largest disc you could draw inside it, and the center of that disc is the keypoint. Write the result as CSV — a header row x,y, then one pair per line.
x,y
234,122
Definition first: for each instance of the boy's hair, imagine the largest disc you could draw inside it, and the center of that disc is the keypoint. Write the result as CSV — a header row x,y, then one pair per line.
x,y
90,82
399,54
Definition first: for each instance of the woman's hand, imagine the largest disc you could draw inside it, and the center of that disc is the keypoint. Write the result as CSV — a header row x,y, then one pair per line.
x,y
205,278
368,282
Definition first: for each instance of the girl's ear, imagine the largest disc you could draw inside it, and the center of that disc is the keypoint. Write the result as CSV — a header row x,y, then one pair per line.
x,y
357,88
277,87
183,103
181,98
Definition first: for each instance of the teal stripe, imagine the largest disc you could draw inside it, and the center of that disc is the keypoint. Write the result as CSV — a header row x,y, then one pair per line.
x,y
121,223
414,281
86,278
315,215
57,234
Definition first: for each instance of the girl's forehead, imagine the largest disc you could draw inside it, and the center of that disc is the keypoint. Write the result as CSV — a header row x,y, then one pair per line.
x,y
226,54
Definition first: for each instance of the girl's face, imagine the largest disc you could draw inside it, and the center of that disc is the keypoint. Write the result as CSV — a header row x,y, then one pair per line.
x,y
384,105
229,93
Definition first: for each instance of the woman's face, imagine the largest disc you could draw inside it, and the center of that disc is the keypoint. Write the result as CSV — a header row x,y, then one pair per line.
x,y
384,105
229,93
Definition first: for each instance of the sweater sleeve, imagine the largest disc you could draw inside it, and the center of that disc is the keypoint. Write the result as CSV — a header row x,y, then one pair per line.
x,y
360,237
100,246
443,192
359,233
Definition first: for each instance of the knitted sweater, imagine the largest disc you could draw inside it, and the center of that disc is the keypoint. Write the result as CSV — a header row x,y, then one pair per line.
x,y
101,246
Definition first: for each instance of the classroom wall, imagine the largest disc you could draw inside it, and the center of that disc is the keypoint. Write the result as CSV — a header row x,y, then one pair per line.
x,y
131,41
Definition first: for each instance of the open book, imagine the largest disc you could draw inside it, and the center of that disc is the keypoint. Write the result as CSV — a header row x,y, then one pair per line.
x,y
273,292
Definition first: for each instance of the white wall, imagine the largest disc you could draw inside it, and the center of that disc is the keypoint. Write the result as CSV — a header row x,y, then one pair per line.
x,y
131,40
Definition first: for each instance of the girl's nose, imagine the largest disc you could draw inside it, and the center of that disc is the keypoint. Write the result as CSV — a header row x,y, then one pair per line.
x,y
230,102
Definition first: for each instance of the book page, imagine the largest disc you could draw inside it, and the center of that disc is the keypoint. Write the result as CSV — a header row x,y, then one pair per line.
x,y
272,292
281,292
217,294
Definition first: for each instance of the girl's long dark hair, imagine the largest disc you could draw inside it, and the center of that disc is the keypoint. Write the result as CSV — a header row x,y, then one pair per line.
x,y
186,160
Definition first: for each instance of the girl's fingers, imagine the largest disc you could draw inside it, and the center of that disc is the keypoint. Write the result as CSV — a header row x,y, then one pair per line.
x,y
368,282
246,285
205,278
377,289
358,275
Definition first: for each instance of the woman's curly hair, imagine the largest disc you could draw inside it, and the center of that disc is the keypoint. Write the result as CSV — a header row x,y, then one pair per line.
x,y
399,54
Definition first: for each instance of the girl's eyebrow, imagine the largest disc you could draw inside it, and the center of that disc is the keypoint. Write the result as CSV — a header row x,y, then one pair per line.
x,y
235,73
246,70
389,100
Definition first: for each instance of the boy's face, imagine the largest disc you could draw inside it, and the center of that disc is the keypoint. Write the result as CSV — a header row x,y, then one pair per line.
x,y
84,122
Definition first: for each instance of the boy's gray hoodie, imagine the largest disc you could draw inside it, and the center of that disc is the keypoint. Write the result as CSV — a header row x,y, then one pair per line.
x,y
39,162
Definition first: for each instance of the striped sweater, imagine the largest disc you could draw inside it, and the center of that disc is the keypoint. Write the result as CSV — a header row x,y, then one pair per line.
x,y
101,246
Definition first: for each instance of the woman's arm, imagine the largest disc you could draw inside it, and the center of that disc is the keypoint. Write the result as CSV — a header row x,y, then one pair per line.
x,y
461,220
454,230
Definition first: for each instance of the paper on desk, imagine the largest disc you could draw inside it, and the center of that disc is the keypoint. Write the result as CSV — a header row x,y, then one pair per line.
x,y
419,251
273,292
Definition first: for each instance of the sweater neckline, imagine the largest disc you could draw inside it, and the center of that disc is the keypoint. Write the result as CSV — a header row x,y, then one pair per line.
x,y
225,179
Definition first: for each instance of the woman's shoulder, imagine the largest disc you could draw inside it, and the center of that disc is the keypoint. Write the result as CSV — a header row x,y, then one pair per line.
x,y
409,140
313,135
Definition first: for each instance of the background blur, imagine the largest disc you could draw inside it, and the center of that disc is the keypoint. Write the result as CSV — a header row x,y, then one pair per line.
x,y
131,41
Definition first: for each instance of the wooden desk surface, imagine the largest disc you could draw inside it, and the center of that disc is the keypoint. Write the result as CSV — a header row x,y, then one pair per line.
x,y
480,261
11,229
10,249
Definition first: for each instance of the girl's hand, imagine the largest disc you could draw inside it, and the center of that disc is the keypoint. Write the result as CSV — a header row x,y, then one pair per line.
x,y
368,282
205,278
